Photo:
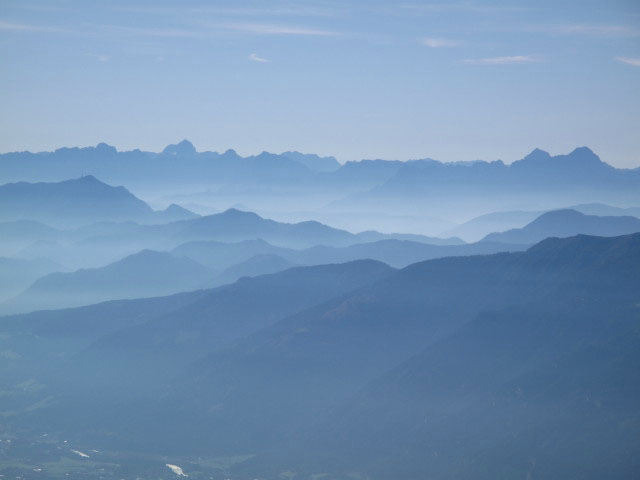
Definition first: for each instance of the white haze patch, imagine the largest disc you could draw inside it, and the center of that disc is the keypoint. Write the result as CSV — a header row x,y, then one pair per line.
x,y
177,470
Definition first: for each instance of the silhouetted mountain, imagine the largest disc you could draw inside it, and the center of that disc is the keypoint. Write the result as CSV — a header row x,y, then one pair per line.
x,y
373,236
566,223
555,379
17,274
160,335
76,202
603,210
184,148
234,225
385,192
221,255
365,173
479,227
315,378
144,274
313,161
397,253
178,164
254,266
538,180
15,235
83,200
105,242
174,213
281,378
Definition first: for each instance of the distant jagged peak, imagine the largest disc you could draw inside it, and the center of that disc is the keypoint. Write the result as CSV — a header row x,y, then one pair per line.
x,y
87,179
313,161
584,154
239,206
101,148
106,148
185,147
560,214
231,153
581,156
175,208
537,154
232,215
235,212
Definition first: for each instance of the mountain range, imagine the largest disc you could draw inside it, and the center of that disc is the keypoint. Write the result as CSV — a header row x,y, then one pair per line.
x,y
567,223
79,202
144,274
393,189
355,369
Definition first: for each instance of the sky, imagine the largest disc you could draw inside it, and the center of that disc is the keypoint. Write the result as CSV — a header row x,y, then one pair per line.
x,y
450,80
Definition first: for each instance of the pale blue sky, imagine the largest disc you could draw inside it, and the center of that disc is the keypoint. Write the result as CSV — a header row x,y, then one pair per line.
x,y
452,80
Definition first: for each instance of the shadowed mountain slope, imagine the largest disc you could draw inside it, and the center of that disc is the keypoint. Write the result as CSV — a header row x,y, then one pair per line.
x,y
277,381
534,389
144,274
566,223
80,201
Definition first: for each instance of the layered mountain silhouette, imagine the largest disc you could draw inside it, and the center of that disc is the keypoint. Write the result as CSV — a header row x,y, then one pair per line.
x,y
254,266
18,233
397,253
514,384
566,223
479,227
313,161
144,274
256,343
538,180
154,338
17,274
80,201
368,375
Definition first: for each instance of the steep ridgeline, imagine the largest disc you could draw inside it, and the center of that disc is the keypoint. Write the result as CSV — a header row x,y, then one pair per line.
x,y
80,201
539,180
566,223
479,227
537,389
397,253
331,388
98,224
424,187
314,162
137,345
282,378
144,274
491,366
17,274
102,243
176,163
205,265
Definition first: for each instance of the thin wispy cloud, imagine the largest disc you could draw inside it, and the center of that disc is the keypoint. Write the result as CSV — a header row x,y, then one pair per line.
x,y
510,60
98,56
452,6
439,42
587,29
270,29
22,27
629,61
290,10
156,32
254,57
